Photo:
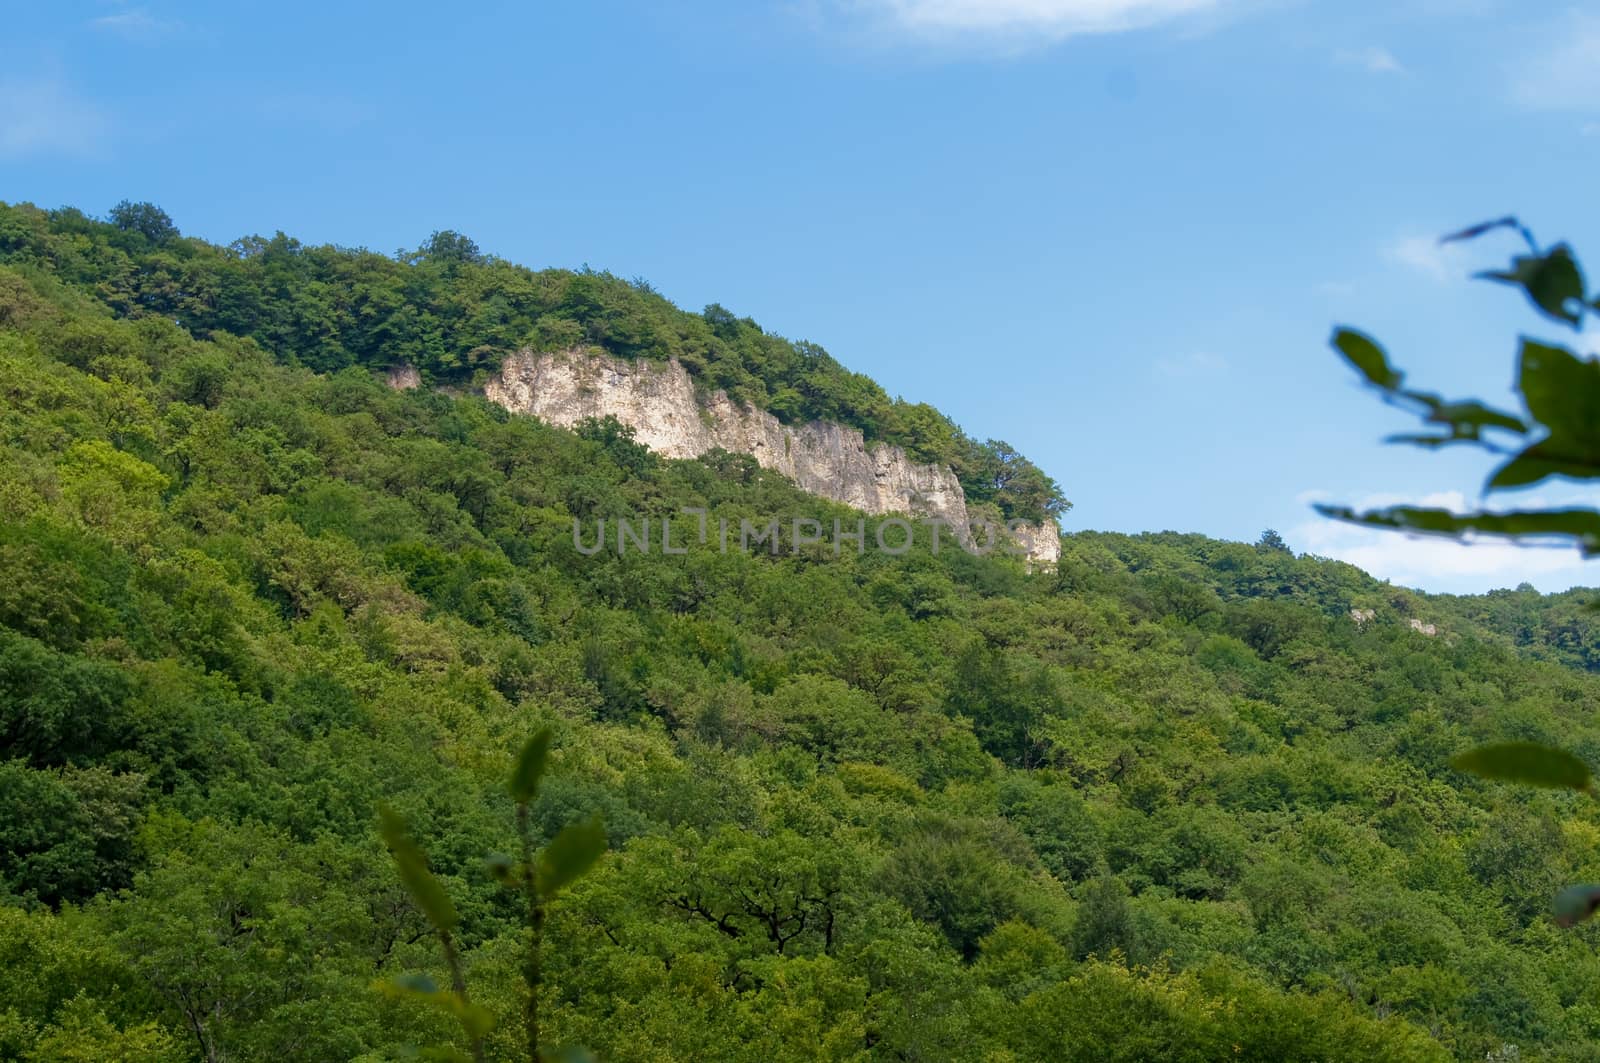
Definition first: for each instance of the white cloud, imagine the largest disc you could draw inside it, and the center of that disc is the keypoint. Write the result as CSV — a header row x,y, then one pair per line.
x,y
136,24
1565,76
1425,254
1442,565
1053,19
41,116
1374,60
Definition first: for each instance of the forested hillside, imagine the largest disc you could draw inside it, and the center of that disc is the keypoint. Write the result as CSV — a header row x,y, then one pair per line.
x,y
1169,801
454,313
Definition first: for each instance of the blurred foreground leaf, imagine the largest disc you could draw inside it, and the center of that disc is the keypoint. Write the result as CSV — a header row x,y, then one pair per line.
x,y
570,854
1576,904
1525,762
412,864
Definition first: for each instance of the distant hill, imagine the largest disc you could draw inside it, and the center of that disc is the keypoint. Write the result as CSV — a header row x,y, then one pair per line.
x,y
454,314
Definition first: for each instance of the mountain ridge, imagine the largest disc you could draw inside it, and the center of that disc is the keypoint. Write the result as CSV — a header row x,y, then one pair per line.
x,y
453,314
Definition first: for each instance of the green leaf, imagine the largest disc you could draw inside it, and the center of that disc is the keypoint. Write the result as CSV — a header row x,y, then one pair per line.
x,y
1473,414
1580,525
572,852
412,863
1472,232
1536,463
444,1054
1362,352
531,764
1552,281
1525,762
568,1054
1562,391
1417,439
1559,387
416,983
502,868
477,1021
1576,904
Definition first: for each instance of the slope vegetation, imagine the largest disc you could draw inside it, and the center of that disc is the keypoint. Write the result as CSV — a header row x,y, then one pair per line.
x,y
1170,801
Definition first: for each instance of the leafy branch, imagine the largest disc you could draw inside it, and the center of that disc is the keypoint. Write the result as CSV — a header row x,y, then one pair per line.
x,y
1557,434
538,874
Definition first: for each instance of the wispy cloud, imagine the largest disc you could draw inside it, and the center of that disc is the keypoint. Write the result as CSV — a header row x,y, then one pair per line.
x,y
1426,255
137,24
1049,19
1374,60
1566,75
1436,564
43,116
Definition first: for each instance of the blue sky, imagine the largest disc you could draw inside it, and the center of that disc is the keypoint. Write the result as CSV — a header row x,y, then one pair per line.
x,y
1115,233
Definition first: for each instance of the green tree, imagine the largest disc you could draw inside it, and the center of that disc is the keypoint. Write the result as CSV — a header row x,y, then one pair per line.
x,y
1271,540
146,219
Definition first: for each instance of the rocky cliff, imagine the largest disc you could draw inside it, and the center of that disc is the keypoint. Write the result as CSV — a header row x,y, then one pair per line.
x,y
659,402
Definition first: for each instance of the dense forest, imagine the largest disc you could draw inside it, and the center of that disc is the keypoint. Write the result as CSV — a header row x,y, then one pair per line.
x,y
453,313
1176,799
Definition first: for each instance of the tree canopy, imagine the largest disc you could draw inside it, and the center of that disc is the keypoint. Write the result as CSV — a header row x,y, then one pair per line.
x,y
453,313
1177,799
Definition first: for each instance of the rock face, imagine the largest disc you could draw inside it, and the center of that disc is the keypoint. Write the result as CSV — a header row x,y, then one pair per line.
x,y
659,402
1041,542
404,377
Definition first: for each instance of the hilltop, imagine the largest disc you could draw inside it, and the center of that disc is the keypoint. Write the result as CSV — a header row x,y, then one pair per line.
x,y
452,315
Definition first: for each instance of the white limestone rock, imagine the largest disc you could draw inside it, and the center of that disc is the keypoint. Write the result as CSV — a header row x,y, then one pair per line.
x,y
658,400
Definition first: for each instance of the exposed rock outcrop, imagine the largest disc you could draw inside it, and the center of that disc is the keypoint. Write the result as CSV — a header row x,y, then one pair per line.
x,y
1040,542
404,377
658,400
